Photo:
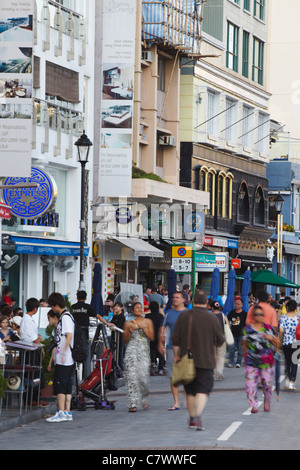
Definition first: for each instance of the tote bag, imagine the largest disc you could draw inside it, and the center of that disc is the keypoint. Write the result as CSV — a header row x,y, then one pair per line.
x,y
184,371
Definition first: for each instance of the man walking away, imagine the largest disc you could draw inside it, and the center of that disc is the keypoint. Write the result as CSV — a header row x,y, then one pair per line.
x,y
206,336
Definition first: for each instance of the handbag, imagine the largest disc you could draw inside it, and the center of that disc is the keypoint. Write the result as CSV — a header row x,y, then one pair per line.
x,y
184,371
229,340
298,331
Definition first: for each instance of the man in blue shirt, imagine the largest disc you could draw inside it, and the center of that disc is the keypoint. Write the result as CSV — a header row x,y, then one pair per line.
x,y
165,337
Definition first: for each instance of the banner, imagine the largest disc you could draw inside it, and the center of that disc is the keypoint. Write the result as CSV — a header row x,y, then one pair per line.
x,y
16,80
118,56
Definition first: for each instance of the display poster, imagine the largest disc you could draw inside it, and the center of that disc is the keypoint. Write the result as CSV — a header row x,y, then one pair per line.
x,y
116,120
16,80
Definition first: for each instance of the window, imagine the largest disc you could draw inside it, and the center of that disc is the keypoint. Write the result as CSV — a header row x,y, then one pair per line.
x,y
232,47
211,112
263,133
229,119
62,83
245,63
258,61
247,5
259,207
259,9
161,84
246,126
243,203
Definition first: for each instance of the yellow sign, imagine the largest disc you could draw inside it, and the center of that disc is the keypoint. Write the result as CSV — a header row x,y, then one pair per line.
x,y
182,252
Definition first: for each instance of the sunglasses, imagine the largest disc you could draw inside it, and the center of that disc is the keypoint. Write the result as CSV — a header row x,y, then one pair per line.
x,y
258,314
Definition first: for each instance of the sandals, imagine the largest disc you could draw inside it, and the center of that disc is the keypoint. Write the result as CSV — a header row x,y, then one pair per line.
x,y
132,410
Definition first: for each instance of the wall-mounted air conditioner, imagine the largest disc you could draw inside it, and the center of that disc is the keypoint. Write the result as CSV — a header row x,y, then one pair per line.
x,y
167,140
147,56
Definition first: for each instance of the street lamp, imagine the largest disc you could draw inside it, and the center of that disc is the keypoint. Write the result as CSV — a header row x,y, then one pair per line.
x,y
278,207
83,145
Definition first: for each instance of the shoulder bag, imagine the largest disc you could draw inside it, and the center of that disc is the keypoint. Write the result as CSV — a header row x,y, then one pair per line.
x,y
228,333
184,371
298,330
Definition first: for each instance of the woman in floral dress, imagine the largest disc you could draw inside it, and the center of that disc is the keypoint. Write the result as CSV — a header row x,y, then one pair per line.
x,y
259,346
137,336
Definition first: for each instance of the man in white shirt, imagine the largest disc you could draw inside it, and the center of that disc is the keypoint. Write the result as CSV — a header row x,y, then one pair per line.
x,y
29,333
64,325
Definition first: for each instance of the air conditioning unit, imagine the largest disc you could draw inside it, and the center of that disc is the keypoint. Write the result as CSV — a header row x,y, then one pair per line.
x,y
167,140
147,56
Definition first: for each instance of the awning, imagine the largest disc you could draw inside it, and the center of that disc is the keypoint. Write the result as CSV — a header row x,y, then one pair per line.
x,y
140,247
264,276
47,247
258,261
292,249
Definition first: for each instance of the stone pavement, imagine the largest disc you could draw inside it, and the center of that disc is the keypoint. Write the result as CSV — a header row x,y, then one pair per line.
x,y
158,428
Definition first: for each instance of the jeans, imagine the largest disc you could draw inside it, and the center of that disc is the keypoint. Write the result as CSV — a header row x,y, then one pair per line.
x,y
237,345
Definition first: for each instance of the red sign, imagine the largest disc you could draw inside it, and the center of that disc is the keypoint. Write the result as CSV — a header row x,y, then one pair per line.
x,y
236,263
208,241
4,211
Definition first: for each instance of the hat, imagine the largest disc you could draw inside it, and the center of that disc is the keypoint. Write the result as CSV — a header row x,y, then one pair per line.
x,y
16,320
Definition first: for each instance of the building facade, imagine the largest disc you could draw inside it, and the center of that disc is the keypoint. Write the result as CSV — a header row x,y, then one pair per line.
x,y
225,127
46,248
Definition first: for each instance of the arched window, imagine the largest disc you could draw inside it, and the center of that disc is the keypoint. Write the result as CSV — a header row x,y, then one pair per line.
x,y
211,188
243,203
227,189
220,194
259,206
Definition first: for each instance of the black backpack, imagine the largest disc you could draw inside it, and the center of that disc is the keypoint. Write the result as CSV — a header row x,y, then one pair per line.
x,y
80,345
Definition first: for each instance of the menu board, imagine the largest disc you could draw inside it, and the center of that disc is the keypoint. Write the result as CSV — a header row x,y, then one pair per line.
x,y
16,80
118,52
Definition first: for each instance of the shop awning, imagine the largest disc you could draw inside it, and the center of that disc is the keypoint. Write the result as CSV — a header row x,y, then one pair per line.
x,y
258,261
140,247
292,249
47,247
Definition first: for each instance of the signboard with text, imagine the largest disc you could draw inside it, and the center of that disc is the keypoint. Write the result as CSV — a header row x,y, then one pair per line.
x,y
16,81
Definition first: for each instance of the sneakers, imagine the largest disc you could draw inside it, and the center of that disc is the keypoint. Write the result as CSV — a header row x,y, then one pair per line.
x,y
60,416
196,423
292,386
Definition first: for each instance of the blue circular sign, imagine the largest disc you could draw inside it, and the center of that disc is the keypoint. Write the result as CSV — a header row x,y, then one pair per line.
x,y
30,202
123,215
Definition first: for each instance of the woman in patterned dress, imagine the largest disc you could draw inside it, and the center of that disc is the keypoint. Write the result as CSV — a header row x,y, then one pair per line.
x,y
259,346
287,333
137,336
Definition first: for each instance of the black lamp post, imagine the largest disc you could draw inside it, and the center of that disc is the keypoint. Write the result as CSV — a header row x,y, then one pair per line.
x,y
83,145
278,207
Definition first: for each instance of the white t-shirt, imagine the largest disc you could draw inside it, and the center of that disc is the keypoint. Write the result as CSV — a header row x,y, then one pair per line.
x,y
64,355
29,330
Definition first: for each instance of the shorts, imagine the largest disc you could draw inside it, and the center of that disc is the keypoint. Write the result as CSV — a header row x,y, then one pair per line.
x,y
203,383
62,382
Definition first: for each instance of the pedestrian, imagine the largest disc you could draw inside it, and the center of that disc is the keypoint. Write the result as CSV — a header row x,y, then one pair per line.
x,y
82,311
220,350
5,331
15,324
137,334
165,345
237,320
156,297
118,320
270,314
259,346
157,320
64,325
7,296
287,335
185,290
29,333
206,336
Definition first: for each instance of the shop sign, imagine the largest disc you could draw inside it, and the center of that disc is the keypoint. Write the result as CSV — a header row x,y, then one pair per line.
x,y
222,242
182,265
208,262
236,263
4,211
30,202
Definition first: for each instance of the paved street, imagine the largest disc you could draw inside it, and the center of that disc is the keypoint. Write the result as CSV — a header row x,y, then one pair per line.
x,y
227,421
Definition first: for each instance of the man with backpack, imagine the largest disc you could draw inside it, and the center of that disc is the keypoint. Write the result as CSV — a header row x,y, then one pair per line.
x,y
64,325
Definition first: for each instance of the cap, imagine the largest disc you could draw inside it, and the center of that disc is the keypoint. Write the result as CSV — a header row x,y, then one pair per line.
x,y
16,320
